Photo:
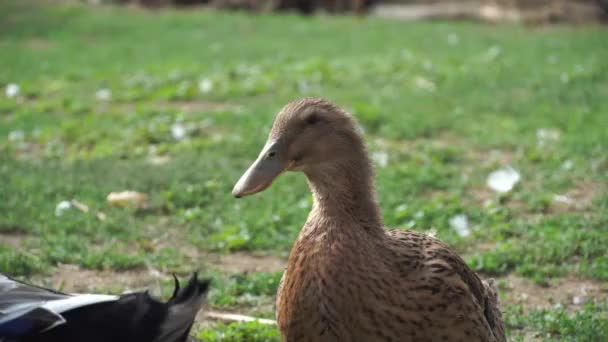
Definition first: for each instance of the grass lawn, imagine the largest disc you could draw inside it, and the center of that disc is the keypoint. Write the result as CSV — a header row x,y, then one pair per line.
x,y
176,104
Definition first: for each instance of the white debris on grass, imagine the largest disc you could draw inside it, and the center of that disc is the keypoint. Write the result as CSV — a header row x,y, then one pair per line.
x,y
460,223
503,180
425,84
380,158
80,206
205,85
579,300
431,232
159,160
101,216
125,198
103,94
178,131
62,207
563,199
568,165
547,136
12,90
16,136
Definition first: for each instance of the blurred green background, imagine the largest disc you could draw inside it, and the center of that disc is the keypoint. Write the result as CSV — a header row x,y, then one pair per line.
x,y
174,103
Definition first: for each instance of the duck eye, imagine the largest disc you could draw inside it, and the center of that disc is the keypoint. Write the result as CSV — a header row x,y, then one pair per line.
x,y
271,154
312,119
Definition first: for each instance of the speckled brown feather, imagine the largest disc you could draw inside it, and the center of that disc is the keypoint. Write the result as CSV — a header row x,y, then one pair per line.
x,y
350,279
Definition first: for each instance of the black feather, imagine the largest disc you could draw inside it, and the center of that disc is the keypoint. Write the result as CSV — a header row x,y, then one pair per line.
x,y
132,317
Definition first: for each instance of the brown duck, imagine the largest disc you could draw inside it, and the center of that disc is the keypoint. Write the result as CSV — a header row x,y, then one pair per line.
x,y
349,278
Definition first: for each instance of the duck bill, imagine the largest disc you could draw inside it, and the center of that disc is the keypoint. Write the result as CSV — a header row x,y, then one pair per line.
x,y
261,173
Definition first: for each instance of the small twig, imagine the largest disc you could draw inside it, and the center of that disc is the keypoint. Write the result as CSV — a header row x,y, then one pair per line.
x,y
229,317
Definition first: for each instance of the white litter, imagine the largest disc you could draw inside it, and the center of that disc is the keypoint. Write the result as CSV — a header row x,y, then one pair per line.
x,y
579,300
178,131
431,232
567,165
103,94
125,198
62,207
80,206
460,224
16,136
425,84
503,180
205,85
231,317
547,136
12,90
563,199
380,158
159,160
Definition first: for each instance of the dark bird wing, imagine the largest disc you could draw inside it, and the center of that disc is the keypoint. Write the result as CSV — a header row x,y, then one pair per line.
x,y
28,309
131,317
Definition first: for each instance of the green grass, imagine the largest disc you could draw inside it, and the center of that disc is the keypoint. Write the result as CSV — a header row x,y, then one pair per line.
x,y
251,331
588,324
444,115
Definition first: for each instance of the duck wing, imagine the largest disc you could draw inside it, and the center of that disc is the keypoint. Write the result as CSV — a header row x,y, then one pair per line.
x,y
485,292
440,259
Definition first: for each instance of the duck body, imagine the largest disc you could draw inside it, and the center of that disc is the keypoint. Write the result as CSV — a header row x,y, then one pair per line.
x,y
395,286
34,314
348,277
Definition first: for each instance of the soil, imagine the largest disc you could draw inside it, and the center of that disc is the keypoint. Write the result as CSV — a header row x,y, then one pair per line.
x,y
570,292
244,262
12,239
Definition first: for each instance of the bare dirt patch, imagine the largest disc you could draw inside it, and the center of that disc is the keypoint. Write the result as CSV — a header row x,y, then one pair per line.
x,y
237,262
570,292
245,262
579,199
12,239
494,157
73,279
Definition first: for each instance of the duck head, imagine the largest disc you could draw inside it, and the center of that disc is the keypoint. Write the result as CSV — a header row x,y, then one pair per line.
x,y
307,135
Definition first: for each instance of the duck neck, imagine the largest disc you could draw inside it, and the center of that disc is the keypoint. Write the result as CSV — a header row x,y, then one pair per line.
x,y
343,192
